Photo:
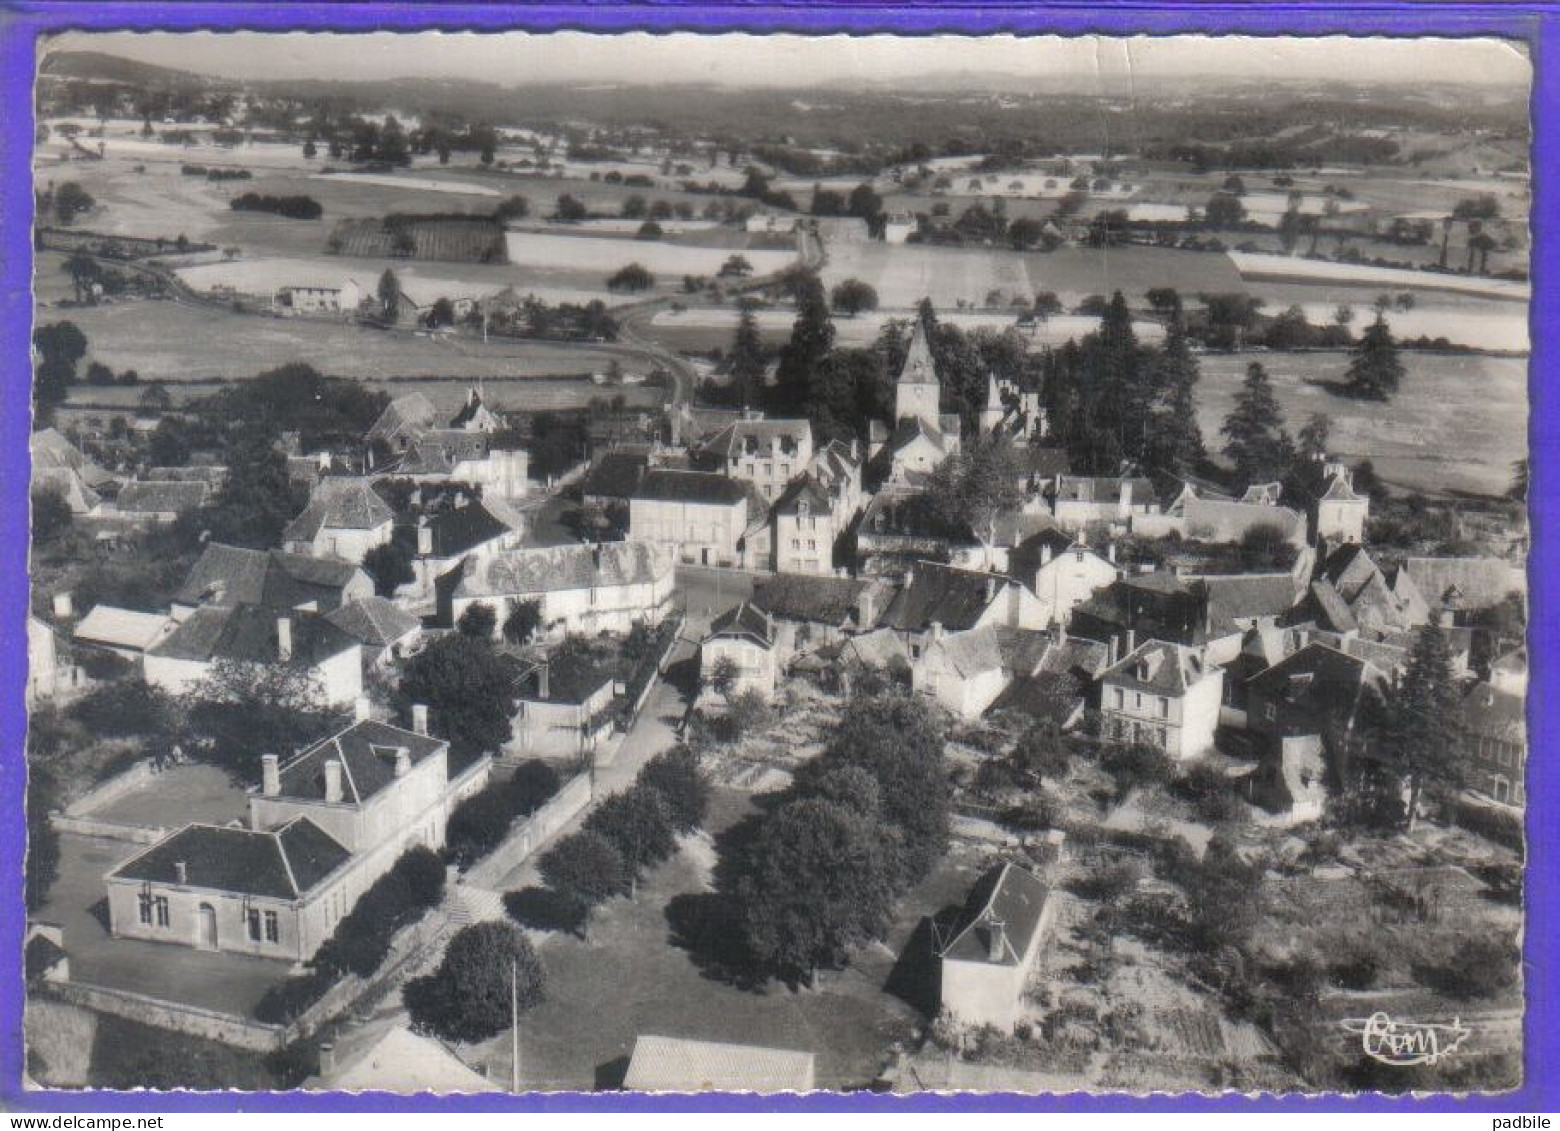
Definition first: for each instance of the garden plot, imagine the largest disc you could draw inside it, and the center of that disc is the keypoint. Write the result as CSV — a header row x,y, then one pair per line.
x,y
600,258
1283,267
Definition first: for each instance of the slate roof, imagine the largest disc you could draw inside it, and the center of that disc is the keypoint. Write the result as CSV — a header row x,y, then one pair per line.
x,y
561,568
468,411
731,441
673,1064
1023,650
1103,489
968,654
1012,896
614,475
1471,583
409,413
1015,529
404,1063
1318,677
367,753
339,503
375,621
460,529
1160,667
820,600
700,487
911,429
804,488
248,633
120,628
282,863
1041,462
947,595
919,368
1212,520
744,622
161,497
437,451
51,450
1339,491
1235,600
234,575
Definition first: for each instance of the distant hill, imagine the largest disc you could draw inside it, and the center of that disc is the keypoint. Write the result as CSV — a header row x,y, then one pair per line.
x,y
100,67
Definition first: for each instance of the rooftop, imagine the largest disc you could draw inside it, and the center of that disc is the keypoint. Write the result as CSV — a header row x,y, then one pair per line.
x,y
1008,899
1160,667
947,595
746,622
339,503
250,633
234,575
367,751
703,487
674,1064
822,600
376,621
561,568
281,863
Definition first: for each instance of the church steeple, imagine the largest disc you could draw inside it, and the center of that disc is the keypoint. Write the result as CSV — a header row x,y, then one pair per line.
x,y
918,393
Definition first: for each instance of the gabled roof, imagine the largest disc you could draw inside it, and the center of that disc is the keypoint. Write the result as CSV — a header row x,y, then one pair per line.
x,y
517,573
282,863
248,633
832,601
673,1064
161,497
1008,898
409,413
1023,649
375,621
1015,529
404,1063
367,752
1235,600
468,411
1339,491
731,440
967,654
744,622
1319,677
947,595
803,489
1103,489
1211,520
1160,667
614,475
460,529
339,503
1466,583
51,450
912,429
436,451
699,487
919,368
234,575
1041,462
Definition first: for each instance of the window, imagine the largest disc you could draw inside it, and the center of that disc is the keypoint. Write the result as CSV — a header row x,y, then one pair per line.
x,y
796,543
153,909
1121,699
1164,707
145,908
252,922
1138,701
273,932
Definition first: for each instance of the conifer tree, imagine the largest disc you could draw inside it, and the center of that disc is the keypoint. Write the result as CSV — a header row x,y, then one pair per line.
x,y
1375,370
1419,738
747,357
1256,441
812,340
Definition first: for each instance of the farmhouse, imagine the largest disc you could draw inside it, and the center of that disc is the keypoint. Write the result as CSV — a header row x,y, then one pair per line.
x,y
703,515
1061,686
298,299
1317,690
809,612
322,829
59,466
963,671
1077,501
1351,593
1162,695
345,519
468,528
581,589
1066,570
745,636
987,965
254,636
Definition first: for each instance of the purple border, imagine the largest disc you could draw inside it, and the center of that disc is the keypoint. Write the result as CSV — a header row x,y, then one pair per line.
x,y
22,21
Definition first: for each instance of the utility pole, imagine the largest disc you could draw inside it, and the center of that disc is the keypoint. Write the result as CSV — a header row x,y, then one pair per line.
x,y
514,1024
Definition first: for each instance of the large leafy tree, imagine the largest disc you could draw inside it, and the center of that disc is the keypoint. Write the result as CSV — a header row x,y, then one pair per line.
x,y
638,823
976,484
242,710
815,883
676,776
1255,438
1375,370
585,868
469,692
257,499
487,969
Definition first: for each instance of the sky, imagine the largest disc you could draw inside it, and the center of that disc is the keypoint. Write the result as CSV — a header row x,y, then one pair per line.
x,y
514,58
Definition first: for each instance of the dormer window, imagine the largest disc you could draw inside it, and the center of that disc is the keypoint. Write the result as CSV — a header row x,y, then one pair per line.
x,y
801,508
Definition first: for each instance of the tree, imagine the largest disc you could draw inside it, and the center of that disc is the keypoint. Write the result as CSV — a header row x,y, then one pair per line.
x,y
531,786
1175,442
1025,232
1256,441
1375,370
51,516
1041,752
850,787
637,822
390,565
811,343
676,776
649,230
442,313
747,356
634,277
570,210
258,498
240,710
1422,718
99,374
735,267
634,208
468,690
310,150
1224,210
1046,304
389,292
524,618
585,869
488,969
70,201
814,884
1314,436
84,272
512,208
1165,301
852,296
723,676
976,484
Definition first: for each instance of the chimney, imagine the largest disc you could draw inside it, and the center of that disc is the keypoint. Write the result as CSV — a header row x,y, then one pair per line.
x,y
1110,553
284,639
996,937
333,781
424,537
181,873
1131,642
403,761
420,718
544,681
327,1059
64,606
270,775
362,709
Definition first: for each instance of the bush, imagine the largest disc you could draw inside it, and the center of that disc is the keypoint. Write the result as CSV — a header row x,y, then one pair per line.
x,y
1211,793
292,207
1479,968
288,1000
130,708
1136,765
634,277
479,824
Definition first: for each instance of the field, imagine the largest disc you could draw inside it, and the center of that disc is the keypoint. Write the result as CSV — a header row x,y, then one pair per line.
x,y
1501,327
425,184
1321,271
598,258
904,275
1457,424
443,240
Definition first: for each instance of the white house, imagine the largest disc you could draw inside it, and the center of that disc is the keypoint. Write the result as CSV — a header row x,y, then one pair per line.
x,y
1163,695
42,661
581,589
126,633
256,636
701,514
766,453
987,965
745,636
898,228
963,671
345,519
1341,513
1066,570
298,299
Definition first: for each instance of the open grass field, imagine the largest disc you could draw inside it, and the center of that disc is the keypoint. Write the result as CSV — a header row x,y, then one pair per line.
x,y
177,343
903,275
1456,425
1321,271
599,258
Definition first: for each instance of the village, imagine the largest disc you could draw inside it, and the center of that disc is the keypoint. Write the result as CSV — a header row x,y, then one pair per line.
x,y
802,631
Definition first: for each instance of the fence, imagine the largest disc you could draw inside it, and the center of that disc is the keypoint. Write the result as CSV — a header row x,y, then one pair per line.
x,y
535,832
108,830
112,790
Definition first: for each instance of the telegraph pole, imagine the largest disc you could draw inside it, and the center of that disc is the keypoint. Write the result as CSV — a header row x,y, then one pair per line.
x,y
514,1024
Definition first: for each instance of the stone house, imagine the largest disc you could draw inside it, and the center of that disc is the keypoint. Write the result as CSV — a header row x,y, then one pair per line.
x,y
1163,695
987,966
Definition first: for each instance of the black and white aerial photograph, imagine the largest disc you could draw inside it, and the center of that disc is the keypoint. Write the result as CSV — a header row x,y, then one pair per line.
x,y
613,563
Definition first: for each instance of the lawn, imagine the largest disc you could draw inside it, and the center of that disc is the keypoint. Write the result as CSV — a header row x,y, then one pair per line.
x,y
630,977
1457,424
